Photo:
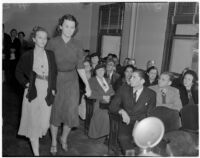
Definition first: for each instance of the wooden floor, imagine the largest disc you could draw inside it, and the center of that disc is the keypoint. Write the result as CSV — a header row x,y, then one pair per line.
x,y
14,145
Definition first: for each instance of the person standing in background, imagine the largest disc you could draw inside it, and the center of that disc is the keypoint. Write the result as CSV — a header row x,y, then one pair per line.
x,y
24,43
14,55
69,59
6,55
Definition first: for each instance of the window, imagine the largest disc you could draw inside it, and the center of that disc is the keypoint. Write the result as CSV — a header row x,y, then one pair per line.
x,y
180,16
110,28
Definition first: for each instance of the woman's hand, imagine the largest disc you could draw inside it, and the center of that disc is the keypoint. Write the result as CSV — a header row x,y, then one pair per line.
x,y
88,91
106,98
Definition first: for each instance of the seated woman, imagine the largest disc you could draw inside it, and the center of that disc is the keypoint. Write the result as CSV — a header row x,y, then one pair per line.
x,y
177,82
152,76
102,92
82,101
111,74
125,79
189,89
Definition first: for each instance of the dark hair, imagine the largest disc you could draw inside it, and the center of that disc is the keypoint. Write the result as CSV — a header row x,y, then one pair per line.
x,y
110,54
141,73
98,66
68,17
109,61
93,55
13,30
171,76
38,28
126,67
114,56
87,61
129,66
153,68
21,32
193,73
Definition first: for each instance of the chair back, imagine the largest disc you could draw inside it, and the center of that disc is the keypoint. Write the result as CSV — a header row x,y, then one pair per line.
x,y
169,117
115,119
190,118
89,112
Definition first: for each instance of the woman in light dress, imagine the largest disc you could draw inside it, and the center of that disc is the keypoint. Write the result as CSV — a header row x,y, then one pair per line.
x,y
36,71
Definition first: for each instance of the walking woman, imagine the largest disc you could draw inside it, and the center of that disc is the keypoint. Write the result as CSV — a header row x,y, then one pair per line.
x,y
36,71
69,59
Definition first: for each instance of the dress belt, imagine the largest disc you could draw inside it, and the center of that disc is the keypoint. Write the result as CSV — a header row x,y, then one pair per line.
x,y
42,77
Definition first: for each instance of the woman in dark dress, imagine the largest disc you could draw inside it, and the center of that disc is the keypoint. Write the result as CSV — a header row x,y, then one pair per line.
x,y
102,92
125,79
69,59
189,89
151,76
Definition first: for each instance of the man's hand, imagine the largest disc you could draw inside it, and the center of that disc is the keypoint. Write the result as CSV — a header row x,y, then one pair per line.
x,y
53,92
27,85
125,116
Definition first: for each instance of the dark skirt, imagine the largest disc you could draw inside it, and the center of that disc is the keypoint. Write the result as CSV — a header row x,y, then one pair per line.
x,y
65,107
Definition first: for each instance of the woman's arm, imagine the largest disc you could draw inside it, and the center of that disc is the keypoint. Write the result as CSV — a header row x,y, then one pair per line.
x,y
82,74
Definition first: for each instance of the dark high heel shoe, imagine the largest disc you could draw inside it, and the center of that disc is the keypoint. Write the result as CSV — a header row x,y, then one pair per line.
x,y
63,144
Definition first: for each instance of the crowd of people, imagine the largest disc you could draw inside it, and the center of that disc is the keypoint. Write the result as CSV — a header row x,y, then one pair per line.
x,y
58,75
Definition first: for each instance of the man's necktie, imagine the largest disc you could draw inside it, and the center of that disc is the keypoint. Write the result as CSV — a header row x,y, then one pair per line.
x,y
163,96
134,96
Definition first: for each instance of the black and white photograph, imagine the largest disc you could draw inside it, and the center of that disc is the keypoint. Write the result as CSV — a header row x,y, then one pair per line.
x,y
100,78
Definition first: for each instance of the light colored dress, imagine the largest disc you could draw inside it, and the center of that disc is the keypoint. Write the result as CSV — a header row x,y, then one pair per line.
x,y
36,114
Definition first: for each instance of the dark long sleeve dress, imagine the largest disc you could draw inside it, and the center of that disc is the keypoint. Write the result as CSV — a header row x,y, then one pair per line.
x,y
69,57
99,125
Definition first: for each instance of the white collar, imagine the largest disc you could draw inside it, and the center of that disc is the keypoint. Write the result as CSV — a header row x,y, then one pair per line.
x,y
139,91
103,84
110,75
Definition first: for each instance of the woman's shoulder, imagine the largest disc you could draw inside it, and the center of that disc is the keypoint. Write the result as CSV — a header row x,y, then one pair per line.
x,y
76,43
92,79
54,40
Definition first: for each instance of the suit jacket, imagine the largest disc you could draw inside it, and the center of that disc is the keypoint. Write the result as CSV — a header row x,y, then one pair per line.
x,y
137,111
6,45
25,74
16,45
172,97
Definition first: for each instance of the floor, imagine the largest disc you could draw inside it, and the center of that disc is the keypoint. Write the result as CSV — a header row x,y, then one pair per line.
x,y
14,145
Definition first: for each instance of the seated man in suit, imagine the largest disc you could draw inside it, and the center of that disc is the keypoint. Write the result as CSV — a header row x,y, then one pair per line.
x,y
167,95
133,102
